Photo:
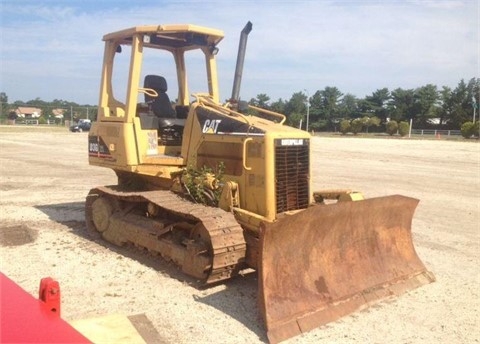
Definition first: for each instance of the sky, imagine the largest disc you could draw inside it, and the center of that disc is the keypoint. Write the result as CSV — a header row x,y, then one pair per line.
x,y
52,49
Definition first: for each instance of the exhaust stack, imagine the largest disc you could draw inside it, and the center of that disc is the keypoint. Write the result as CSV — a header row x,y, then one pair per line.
x,y
242,46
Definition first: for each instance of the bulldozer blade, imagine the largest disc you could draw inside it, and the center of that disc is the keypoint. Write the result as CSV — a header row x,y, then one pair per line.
x,y
331,260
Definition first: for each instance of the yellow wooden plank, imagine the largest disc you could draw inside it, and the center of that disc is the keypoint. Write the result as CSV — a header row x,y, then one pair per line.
x,y
113,328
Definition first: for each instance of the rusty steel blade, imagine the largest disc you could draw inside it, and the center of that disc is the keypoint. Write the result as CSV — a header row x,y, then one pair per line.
x,y
330,260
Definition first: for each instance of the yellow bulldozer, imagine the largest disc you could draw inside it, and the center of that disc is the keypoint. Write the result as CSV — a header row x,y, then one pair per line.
x,y
220,187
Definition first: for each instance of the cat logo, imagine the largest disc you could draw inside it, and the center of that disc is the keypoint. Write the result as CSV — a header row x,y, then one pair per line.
x,y
211,126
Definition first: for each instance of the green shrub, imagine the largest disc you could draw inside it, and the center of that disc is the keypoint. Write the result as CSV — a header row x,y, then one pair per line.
x,y
203,186
375,121
392,127
356,126
468,129
344,126
370,122
318,125
403,128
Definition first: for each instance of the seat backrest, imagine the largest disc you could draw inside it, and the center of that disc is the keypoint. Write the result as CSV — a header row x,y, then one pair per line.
x,y
161,105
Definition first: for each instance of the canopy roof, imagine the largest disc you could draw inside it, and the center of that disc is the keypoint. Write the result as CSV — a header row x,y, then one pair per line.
x,y
184,36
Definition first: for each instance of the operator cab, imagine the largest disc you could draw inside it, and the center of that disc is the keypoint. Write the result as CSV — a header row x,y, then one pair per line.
x,y
153,61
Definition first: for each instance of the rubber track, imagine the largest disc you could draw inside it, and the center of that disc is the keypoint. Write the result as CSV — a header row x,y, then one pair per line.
x,y
226,235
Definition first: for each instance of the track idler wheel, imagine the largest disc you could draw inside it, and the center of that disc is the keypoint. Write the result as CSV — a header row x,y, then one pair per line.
x,y
102,210
99,211
198,260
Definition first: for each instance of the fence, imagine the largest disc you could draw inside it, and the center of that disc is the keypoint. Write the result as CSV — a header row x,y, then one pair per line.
x,y
436,132
31,121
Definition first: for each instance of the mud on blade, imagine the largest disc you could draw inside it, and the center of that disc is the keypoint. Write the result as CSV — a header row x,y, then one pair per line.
x,y
330,260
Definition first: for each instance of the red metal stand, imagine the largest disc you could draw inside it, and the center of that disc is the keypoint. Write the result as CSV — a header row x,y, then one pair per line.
x,y
25,319
49,293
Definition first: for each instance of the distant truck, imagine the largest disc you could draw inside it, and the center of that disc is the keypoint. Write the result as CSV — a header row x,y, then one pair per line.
x,y
82,125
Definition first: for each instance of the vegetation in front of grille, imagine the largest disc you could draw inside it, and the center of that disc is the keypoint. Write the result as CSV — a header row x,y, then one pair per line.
x,y
204,185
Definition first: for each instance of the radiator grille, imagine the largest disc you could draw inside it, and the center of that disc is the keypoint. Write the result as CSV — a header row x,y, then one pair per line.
x,y
292,175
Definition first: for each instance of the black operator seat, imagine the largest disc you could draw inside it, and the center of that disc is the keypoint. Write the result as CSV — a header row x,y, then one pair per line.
x,y
160,105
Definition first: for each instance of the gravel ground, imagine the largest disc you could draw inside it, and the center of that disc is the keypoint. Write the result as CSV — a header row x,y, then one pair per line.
x,y
45,177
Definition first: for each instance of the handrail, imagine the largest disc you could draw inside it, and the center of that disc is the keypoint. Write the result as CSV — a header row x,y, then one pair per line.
x,y
205,99
244,158
272,113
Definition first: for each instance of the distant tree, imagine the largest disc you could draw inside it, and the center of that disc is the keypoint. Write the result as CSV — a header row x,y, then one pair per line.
x,y
375,121
331,98
12,115
278,106
460,104
445,110
402,104
368,122
317,121
295,118
392,127
261,101
426,100
403,128
296,108
316,106
456,106
348,106
356,126
296,104
474,96
468,129
37,102
376,104
344,126
3,104
325,105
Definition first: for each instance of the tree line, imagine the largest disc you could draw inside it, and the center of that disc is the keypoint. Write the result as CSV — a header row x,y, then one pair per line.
x,y
427,106
72,111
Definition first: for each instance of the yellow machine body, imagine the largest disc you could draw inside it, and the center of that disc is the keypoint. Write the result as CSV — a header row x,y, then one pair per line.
x,y
316,261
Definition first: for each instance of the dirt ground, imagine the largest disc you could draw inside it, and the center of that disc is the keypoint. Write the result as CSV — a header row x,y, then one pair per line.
x,y
45,177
